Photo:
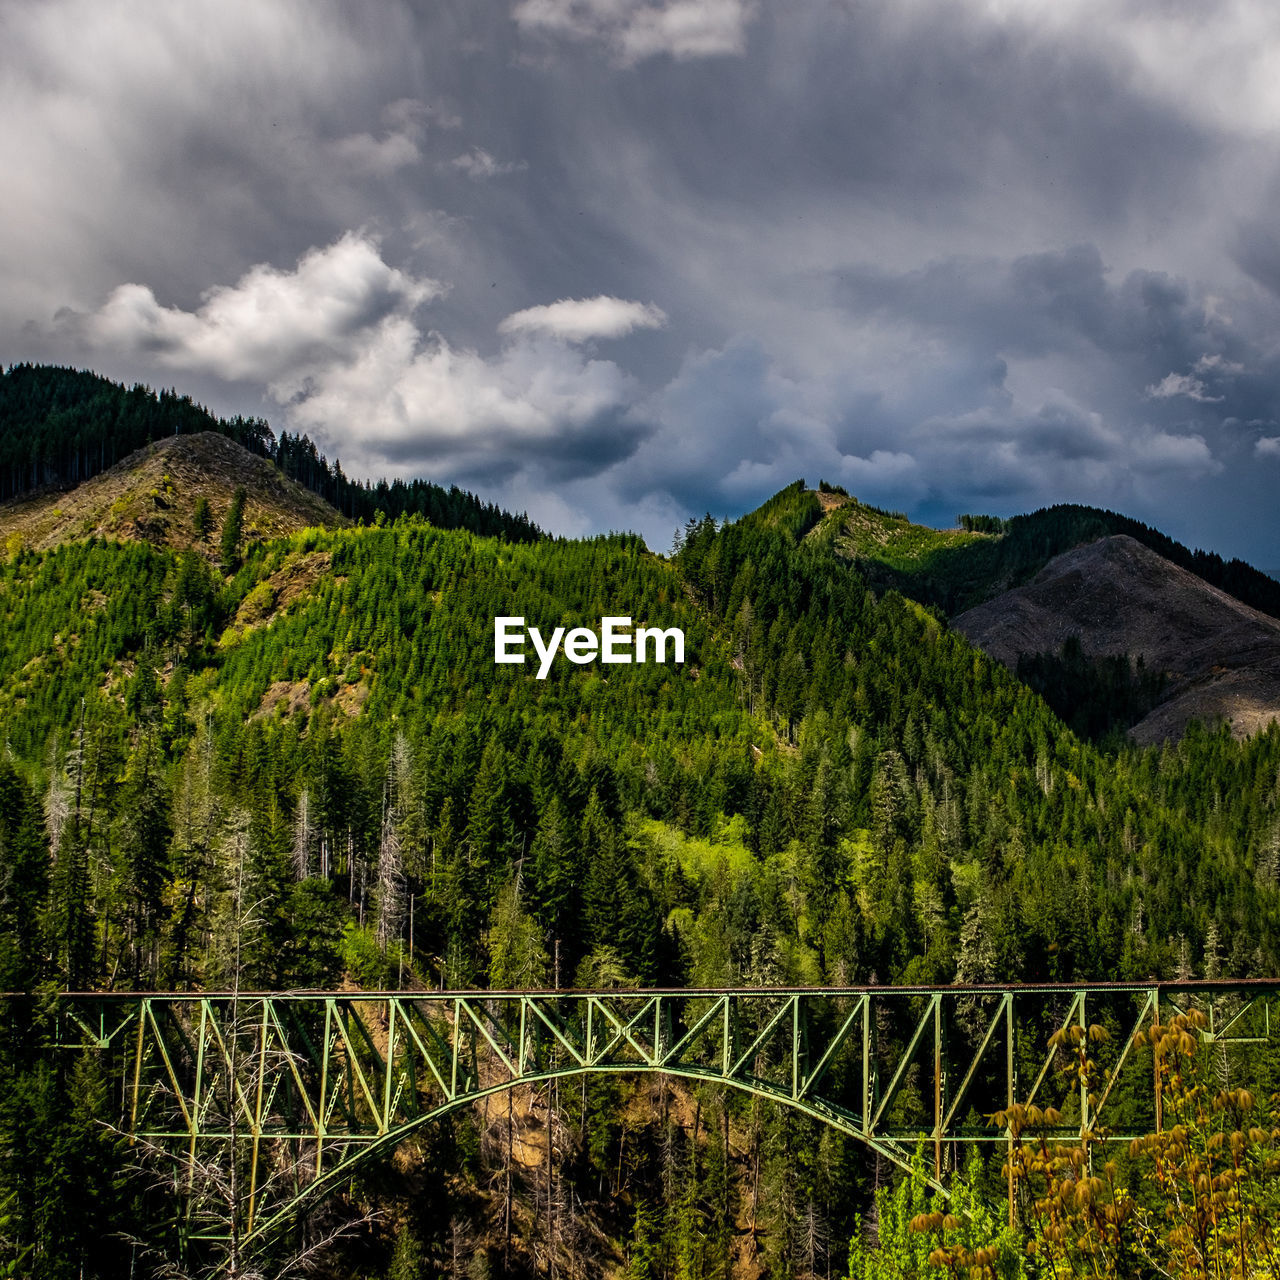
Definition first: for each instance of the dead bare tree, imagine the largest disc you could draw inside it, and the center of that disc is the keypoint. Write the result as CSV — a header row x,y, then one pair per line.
x,y
209,1181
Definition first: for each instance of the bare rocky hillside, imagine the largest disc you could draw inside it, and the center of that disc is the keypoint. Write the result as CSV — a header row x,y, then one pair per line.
x,y
151,496
1221,657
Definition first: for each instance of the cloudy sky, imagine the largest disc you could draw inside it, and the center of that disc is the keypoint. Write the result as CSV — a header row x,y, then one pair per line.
x,y
620,261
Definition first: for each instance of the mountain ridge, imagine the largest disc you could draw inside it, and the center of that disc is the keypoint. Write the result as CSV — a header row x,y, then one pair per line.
x,y
1111,607
62,426
151,496
956,569
1118,598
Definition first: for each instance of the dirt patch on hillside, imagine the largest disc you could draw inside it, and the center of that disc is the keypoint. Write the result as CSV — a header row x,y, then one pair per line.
x,y
286,696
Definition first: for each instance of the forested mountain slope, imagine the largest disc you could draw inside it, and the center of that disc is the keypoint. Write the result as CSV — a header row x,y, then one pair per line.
x,y
894,788
834,788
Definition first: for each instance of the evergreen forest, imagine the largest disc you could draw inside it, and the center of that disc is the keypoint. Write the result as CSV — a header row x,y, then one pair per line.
x,y
834,789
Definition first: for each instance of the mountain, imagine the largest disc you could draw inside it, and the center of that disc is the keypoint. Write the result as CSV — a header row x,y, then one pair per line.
x,y
151,496
1119,627
60,427
1219,658
958,569
260,776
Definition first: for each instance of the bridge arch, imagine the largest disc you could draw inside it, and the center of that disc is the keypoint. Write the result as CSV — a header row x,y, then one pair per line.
x,y
366,1153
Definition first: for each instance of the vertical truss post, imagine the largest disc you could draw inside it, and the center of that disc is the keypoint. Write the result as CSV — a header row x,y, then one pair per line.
x,y
137,1074
196,1100
1084,1079
524,1032
795,1046
391,1060
322,1112
937,1088
344,1012
866,1066
1008,1101
257,1114
726,1048
457,1033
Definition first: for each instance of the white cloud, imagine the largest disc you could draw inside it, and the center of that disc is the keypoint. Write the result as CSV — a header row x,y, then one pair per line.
x,y
335,342
1182,384
637,29
1157,451
397,148
1268,447
271,326
580,319
415,401
1217,364
478,165
1219,62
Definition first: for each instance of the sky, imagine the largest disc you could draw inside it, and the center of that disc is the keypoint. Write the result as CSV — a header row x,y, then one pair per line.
x,y
621,262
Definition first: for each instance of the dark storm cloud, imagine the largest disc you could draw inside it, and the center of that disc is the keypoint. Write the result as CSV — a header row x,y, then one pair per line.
x,y
907,104
1257,251
944,253
1137,331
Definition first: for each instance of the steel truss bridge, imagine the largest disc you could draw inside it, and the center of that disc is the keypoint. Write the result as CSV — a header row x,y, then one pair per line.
x,y
261,1102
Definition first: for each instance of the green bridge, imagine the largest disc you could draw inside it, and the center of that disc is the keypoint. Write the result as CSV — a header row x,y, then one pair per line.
x,y
302,1087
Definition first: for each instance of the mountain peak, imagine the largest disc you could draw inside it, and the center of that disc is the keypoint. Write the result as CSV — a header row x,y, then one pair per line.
x,y
151,496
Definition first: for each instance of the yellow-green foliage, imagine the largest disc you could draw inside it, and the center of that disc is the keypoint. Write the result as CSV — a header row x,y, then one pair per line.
x,y
258,603
909,1217
1199,1200
700,858
865,533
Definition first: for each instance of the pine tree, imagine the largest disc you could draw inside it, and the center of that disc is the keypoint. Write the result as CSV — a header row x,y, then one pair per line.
x,y
232,528
201,518
71,897
142,865
517,957
24,882
196,819
555,878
